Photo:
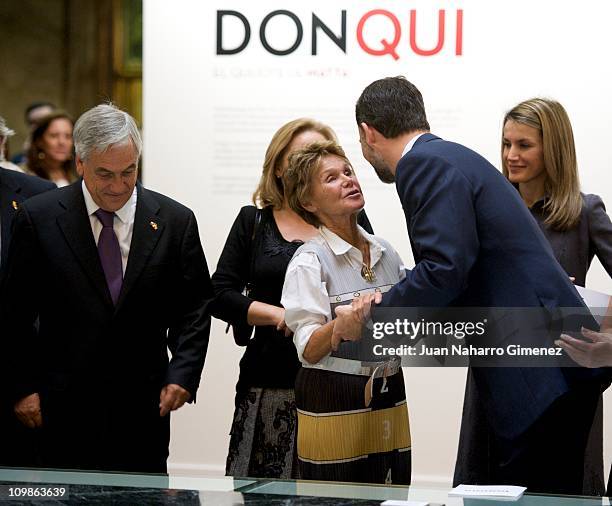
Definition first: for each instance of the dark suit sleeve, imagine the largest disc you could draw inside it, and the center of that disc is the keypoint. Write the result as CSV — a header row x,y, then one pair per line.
x,y
600,232
439,205
19,303
364,221
188,336
232,275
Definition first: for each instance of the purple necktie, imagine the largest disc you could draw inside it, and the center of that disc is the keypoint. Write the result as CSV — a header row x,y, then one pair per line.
x,y
110,254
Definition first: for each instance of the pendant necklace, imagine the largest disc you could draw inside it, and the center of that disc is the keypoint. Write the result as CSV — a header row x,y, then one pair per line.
x,y
366,271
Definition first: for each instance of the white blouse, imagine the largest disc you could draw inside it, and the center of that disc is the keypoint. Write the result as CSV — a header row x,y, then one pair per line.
x,y
305,297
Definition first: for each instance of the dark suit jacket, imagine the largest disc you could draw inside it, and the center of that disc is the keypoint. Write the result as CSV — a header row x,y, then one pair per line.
x,y
15,188
476,245
16,443
99,368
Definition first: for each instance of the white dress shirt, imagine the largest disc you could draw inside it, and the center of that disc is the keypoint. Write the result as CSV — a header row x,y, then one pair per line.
x,y
123,223
305,297
410,144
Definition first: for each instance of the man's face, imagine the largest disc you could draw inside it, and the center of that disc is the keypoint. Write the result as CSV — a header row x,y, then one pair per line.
x,y
110,176
38,113
383,171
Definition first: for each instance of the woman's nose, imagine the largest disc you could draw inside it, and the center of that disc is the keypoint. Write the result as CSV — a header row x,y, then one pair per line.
x,y
512,153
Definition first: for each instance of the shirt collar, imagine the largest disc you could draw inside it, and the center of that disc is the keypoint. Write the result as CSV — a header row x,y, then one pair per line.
x,y
125,214
538,204
339,246
411,143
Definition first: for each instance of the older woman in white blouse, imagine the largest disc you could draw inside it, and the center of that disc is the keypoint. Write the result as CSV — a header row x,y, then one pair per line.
x,y
352,413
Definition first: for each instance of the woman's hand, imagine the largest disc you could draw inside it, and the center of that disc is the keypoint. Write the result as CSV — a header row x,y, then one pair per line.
x,y
281,325
347,326
350,319
596,353
262,314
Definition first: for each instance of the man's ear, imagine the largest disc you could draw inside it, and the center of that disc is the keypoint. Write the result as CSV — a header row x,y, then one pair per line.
x,y
79,165
370,134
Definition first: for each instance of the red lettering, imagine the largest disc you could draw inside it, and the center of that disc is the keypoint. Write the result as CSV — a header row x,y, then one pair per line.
x,y
388,48
459,35
413,44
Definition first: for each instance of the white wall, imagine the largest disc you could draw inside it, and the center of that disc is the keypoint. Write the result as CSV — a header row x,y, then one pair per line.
x,y
208,119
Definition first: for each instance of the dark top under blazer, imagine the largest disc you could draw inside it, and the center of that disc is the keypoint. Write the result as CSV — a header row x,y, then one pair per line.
x,y
91,357
475,244
15,187
574,249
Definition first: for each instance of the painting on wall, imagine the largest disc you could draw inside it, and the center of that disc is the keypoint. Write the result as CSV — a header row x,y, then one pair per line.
x,y
127,56
128,37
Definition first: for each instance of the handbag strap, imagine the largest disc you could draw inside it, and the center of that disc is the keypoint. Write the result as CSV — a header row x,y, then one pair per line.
x,y
254,236
250,285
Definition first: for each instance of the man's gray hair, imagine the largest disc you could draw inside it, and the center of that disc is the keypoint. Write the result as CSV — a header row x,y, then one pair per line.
x,y
103,126
5,131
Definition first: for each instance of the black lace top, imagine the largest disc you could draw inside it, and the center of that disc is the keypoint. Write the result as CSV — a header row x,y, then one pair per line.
x,y
270,359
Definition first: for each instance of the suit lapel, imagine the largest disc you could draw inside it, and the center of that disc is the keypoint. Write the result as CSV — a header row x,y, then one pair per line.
x,y
76,227
148,228
10,198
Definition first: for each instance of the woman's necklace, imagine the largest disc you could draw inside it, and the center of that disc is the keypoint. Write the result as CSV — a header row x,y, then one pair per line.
x,y
366,271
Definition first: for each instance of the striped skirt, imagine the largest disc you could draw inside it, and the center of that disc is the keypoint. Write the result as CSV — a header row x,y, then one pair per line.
x,y
340,439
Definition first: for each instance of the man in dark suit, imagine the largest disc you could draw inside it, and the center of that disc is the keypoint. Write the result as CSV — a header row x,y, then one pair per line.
x,y
18,446
476,245
116,275
15,187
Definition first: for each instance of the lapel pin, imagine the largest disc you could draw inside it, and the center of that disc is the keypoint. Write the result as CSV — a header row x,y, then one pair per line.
x,y
15,205
153,225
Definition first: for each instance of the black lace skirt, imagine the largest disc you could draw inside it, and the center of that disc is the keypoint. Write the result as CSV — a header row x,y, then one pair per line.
x,y
263,435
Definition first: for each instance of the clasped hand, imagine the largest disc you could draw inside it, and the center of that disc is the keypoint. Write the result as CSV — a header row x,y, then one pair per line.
x,y
350,318
27,411
171,398
281,325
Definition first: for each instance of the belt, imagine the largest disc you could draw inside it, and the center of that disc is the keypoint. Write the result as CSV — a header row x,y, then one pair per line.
x,y
347,366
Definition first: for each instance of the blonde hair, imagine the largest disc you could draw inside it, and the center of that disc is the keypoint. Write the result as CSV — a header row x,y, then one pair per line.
x,y
299,176
270,190
562,183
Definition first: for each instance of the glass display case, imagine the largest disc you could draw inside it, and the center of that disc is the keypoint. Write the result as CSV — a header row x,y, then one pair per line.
x,y
33,486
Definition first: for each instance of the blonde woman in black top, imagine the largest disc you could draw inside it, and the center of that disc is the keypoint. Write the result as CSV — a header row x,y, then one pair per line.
x,y
248,285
